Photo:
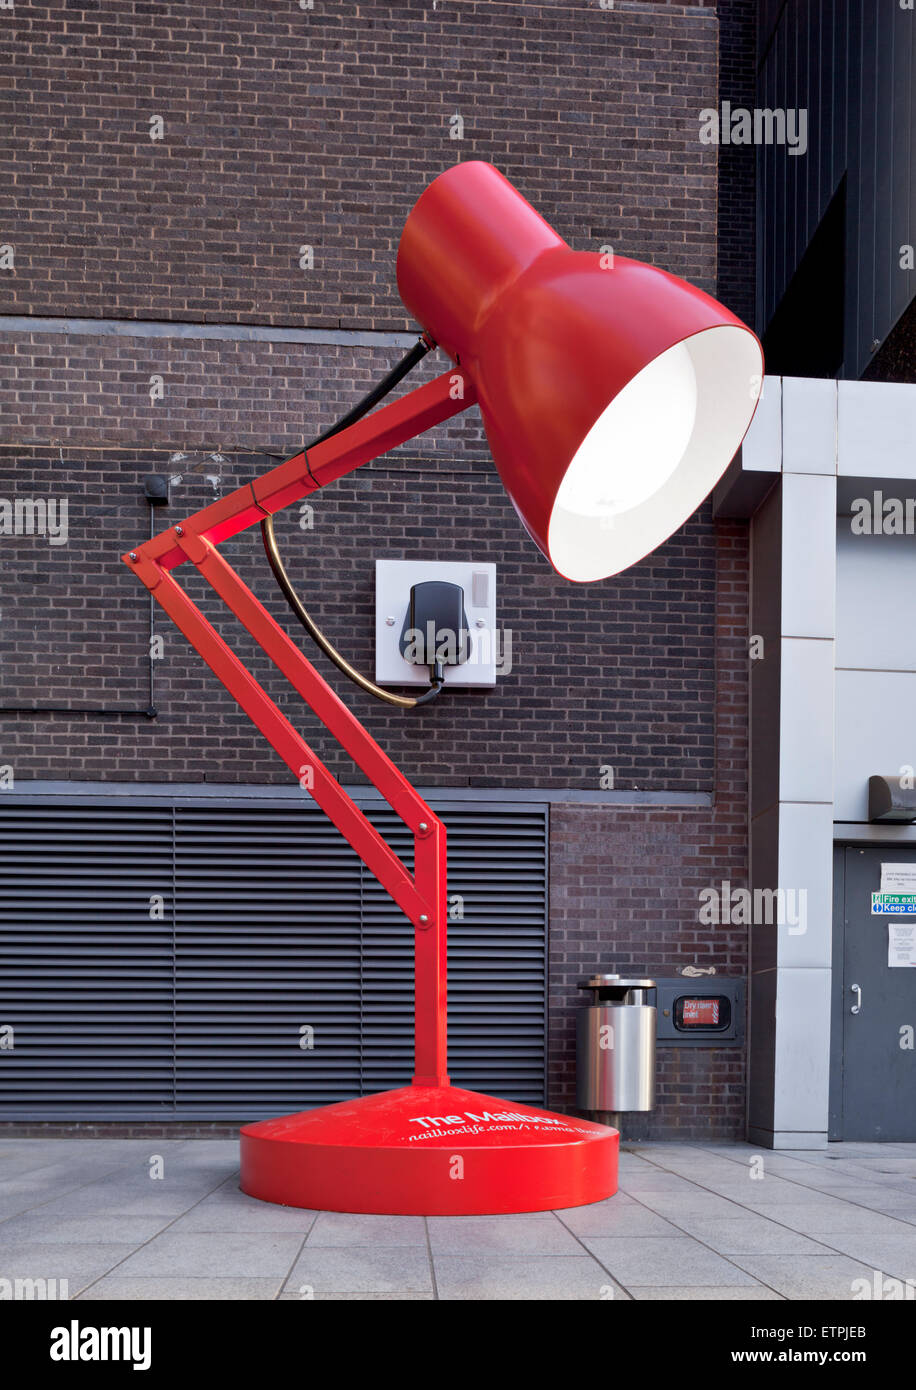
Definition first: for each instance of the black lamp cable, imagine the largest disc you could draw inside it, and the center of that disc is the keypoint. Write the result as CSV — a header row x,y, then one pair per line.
x,y
423,345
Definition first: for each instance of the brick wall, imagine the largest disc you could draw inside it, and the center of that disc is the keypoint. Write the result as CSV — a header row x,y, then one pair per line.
x,y
737,213
617,674
284,128
94,390
624,895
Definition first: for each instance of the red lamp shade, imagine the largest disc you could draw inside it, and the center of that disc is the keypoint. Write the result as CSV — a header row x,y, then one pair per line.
x,y
613,398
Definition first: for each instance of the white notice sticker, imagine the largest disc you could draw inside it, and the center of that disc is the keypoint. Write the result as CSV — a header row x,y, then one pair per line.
x,y
901,944
898,878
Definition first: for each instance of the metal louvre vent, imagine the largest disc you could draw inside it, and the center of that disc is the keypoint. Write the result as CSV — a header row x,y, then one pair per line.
x,y
85,971
161,957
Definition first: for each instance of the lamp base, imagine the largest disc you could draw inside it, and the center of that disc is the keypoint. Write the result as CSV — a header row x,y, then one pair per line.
x,y
429,1151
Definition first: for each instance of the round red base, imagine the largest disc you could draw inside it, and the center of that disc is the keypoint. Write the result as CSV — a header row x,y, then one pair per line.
x,y
429,1151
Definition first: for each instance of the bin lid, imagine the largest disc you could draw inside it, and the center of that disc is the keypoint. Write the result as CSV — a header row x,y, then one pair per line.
x,y
615,982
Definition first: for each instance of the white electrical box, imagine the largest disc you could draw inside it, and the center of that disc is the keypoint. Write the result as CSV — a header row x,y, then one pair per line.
x,y
393,582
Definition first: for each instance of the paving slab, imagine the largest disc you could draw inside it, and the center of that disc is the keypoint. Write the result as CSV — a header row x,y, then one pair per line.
x,y
212,1214
58,1178
411,1296
207,1148
657,1261
325,1270
138,1197
78,1263
807,1276
36,1228
748,1235
228,1191
723,1293
901,1207
841,1218
636,1186
564,1277
340,1229
776,1192
207,1254
607,1219
693,1200
180,1289
892,1254
459,1235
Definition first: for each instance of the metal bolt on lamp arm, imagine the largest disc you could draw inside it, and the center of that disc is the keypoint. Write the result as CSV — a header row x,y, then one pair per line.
x,y
613,400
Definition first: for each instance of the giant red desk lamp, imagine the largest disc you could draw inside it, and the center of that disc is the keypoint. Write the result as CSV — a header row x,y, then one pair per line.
x,y
613,397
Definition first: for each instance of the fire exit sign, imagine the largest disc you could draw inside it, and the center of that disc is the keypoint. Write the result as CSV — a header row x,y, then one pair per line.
x,y
893,904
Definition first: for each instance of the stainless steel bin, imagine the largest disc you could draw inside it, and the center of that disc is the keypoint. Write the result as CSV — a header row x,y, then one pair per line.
x,y
615,1046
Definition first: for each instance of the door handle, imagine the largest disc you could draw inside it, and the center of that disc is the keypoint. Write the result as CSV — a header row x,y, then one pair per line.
x,y
857,1006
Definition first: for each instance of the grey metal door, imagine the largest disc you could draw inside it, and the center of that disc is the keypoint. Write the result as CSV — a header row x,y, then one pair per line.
x,y
873,1055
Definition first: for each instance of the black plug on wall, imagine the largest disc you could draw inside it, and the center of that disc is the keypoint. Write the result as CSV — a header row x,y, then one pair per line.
x,y
435,632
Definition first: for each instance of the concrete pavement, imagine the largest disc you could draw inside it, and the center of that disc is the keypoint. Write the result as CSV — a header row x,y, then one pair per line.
x,y
691,1221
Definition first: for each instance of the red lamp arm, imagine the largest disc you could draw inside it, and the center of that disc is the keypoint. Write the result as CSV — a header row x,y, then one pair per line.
x,y
421,895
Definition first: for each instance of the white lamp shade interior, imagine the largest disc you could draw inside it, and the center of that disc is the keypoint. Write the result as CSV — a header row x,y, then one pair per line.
x,y
655,453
